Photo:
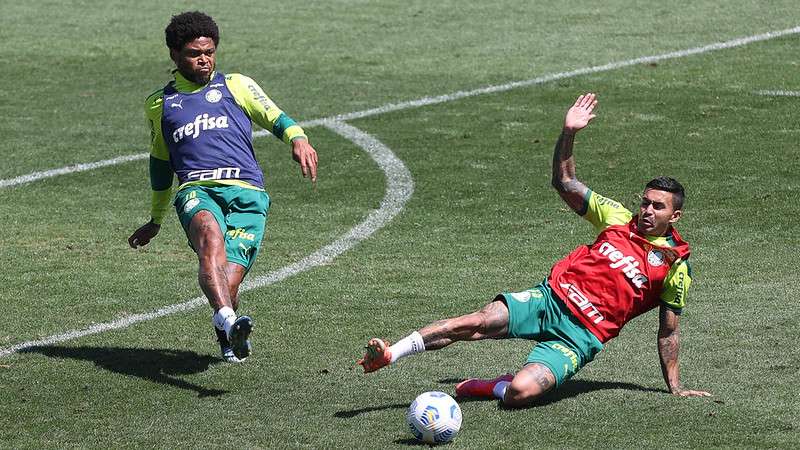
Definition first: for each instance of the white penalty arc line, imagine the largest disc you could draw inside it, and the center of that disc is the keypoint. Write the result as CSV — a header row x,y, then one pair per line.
x,y
399,188
34,176
425,101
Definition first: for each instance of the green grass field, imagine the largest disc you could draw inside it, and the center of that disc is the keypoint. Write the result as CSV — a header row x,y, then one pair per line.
x,y
482,219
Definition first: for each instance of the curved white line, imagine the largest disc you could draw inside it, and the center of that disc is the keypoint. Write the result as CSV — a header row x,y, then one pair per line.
x,y
399,188
450,97
70,169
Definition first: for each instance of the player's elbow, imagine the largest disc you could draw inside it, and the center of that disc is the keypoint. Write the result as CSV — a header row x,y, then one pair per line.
x,y
562,184
557,183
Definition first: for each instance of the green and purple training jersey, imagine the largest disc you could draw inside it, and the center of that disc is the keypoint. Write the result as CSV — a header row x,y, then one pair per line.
x,y
203,134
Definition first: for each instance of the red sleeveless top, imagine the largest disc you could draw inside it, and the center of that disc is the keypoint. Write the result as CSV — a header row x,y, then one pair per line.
x,y
613,280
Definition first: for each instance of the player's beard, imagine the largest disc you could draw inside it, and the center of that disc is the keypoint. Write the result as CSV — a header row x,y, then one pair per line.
x,y
202,77
196,76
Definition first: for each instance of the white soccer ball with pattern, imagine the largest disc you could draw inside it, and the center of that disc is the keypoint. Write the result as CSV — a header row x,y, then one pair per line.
x,y
434,417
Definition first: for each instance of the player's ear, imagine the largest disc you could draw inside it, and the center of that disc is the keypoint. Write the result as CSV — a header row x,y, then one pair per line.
x,y
174,55
676,215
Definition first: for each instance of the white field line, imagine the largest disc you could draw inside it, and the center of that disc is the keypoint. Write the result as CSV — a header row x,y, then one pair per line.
x,y
70,169
450,97
560,76
778,93
399,188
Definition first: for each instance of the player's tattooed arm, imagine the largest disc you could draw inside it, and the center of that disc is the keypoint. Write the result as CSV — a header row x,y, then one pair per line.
x,y
564,180
668,350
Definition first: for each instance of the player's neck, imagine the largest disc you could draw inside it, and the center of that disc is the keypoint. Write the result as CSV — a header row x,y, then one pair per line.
x,y
184,84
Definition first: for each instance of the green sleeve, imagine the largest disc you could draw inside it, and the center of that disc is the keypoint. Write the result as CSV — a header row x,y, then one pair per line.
x,y
602,212
261,109
161,176
676,285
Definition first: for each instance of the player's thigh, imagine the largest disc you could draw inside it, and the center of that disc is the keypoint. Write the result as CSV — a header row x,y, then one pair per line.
x,y
528,312
245,225
200,215
204,233
560,358
491,320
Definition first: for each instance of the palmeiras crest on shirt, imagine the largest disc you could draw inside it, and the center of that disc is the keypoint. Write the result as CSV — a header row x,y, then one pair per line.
x,y
213,96
656,258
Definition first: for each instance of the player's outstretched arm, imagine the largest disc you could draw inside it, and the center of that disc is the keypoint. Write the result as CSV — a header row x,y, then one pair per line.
x,y
306,156
144,234
668,347
564,180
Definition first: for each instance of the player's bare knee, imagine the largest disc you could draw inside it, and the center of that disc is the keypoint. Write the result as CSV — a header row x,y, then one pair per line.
x,y
528,385
519,396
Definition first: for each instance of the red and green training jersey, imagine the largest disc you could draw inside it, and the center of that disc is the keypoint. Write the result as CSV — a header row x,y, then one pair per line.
x,y
623,273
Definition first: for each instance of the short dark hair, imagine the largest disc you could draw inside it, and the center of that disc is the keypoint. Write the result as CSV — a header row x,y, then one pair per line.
x,y
188,26
671,185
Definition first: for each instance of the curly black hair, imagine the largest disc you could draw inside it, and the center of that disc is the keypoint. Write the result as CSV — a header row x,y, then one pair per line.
x,y
188,26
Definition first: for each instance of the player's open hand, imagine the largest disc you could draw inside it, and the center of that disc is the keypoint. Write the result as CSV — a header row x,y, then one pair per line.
x,y
144,234
581,113
306,156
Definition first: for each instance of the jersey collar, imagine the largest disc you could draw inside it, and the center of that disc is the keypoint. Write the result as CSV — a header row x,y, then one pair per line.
x,y
184,85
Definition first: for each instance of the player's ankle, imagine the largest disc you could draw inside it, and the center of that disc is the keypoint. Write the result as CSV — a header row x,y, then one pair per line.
x,y
409,345
224,318
500,388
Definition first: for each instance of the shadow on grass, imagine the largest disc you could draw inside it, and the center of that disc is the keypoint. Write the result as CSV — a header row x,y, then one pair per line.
x,y
413,443
572,388
163,366
356,412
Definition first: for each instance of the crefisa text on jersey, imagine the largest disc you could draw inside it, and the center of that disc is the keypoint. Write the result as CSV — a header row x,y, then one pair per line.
x,y
202,122
627,264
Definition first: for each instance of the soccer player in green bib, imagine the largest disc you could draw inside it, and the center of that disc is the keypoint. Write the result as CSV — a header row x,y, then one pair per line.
x,y
635,264
201,132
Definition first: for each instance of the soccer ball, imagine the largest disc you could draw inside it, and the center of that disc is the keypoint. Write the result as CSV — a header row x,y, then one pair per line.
x,y
434,417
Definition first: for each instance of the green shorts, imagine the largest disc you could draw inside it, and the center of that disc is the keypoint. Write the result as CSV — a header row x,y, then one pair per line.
x,y
564,344
240,212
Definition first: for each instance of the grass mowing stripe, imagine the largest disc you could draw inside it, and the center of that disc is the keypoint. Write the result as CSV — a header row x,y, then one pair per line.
x,y
445,98
399,188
